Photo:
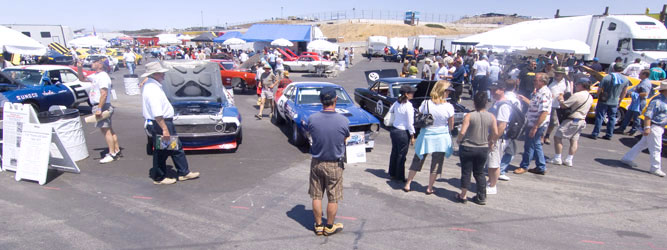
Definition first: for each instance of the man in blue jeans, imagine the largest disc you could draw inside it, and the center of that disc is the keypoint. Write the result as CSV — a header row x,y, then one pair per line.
x,y
610,94
536,124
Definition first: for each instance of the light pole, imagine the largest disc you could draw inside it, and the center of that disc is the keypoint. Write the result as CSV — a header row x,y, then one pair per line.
x,y
281,12
353,13
202,20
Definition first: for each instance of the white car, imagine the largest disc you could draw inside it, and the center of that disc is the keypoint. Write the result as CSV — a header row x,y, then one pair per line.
x,y
308,64
113,62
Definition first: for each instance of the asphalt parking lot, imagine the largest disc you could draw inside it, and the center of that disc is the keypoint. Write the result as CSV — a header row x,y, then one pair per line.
x,y
257,198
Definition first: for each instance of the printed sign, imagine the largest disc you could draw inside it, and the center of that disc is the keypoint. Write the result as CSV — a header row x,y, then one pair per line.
x,y
34,152
15,117
355,149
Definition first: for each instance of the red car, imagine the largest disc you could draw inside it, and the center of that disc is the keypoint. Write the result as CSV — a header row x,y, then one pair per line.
x,y
234,77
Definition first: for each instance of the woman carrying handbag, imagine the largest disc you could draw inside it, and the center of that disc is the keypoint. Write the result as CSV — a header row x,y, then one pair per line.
x,y
434,139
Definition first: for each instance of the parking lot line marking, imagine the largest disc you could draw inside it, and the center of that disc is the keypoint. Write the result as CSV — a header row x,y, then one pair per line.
x,y
142,197
239,207
52,188
345,218
463,229
593,242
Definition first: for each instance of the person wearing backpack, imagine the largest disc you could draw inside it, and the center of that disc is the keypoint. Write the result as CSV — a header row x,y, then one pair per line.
x,y
578,105
502,109
513,129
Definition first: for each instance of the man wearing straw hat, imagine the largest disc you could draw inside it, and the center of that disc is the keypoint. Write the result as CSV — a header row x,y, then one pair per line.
x,y
159,113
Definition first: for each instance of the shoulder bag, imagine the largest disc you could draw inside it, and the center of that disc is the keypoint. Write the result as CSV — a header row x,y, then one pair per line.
x,y
389,117
564,113
424,120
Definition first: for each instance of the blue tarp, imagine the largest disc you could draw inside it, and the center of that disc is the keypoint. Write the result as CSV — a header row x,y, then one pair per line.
x,y
270,32
227,35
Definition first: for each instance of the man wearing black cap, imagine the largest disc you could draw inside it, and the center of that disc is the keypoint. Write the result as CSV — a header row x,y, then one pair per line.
x,y
328,130
612,88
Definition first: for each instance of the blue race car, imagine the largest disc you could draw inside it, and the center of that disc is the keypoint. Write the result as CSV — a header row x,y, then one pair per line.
x,y
205,117
43,86
299,100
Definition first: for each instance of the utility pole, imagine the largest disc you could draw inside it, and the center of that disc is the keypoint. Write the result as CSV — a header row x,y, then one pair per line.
x,y
202,20
281,12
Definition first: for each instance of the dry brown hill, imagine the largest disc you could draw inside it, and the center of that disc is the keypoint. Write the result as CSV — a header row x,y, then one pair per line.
x,y
350,32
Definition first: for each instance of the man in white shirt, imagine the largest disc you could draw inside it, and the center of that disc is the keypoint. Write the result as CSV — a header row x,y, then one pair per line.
x,y
558,86
100,98
633,69
130,58
426,69
481,72
159,113
243,57
442,72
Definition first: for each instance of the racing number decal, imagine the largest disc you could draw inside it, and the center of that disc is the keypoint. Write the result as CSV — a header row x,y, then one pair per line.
x,y
379,107
79,92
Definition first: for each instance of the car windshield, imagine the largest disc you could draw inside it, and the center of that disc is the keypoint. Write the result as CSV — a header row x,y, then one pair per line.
x,y
94,58
649,44
311,95
396,87
228,65
27,77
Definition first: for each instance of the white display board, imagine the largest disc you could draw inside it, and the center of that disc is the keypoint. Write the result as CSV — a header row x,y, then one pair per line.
x,y
33,143
355,149
15,116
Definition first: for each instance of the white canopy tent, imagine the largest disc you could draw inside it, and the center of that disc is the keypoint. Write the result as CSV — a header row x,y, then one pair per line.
x,y
535,35
282,42
322,45
88,42
234,41
15,42
165,39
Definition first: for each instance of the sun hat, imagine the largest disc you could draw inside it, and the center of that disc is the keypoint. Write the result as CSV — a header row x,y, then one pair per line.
x,y
561,70
267,66
154,67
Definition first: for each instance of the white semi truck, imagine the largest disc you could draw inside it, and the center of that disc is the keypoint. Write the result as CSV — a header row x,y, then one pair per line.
x,y
608,36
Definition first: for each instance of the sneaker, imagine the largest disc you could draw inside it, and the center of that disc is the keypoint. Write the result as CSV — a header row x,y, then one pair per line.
x,y
319,229
189,176
658,172
335,228
629,163
555,161
536,171
107,158
519,170
567,163
503,177
165,181
478,201
492,190
607,137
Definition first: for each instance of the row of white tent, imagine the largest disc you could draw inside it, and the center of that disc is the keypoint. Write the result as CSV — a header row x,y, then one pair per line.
x,y
316,45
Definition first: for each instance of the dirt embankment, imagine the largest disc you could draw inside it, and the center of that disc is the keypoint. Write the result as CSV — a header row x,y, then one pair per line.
x,y
350,32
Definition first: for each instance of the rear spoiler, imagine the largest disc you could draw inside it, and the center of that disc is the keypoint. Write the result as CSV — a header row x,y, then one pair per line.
x,y
373,75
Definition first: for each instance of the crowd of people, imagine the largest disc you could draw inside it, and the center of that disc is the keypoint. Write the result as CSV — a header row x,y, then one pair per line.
x,y
534,100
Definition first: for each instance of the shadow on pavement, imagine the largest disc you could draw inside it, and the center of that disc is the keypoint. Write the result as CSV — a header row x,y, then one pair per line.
x,y
378,172
305,217
617,164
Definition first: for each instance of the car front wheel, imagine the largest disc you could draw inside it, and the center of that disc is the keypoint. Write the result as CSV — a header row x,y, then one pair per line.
x,y
297,138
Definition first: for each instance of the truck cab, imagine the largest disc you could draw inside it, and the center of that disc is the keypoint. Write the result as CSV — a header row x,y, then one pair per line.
x,y
628,37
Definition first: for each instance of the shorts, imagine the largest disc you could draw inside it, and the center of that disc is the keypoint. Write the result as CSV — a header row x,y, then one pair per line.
x,y
437,160
571,129
496,154
106,123
326,175
268,94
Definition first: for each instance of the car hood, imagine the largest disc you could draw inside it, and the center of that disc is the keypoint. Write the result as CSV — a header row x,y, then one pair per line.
x,y
193,81
354,114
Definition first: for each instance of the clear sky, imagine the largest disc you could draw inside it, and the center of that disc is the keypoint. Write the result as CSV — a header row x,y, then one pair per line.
x,y
137,14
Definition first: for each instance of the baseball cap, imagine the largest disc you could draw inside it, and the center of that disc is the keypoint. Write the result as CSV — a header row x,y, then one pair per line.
x,y
584,80
327,93
596,59
407,89
619,67
497,85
